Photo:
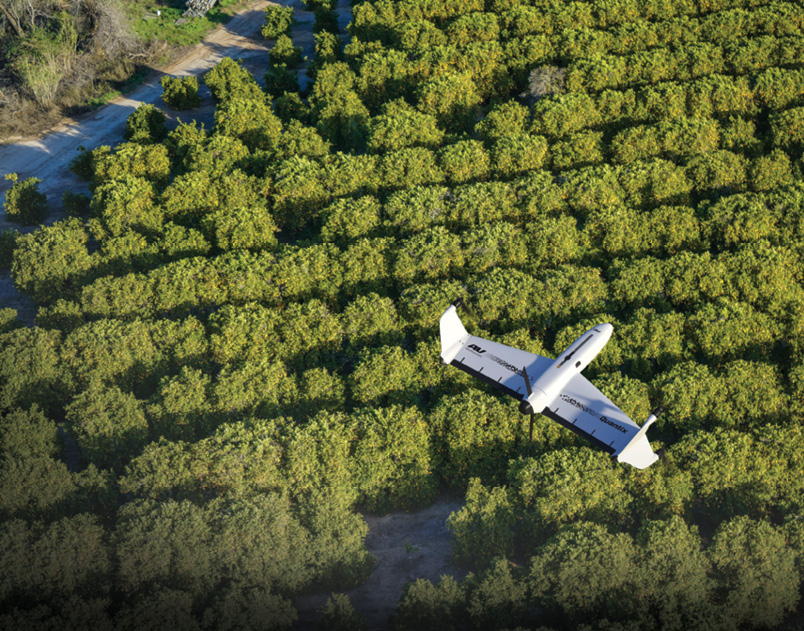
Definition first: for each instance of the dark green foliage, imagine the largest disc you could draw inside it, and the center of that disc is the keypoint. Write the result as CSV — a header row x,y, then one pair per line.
x,y
284,52
24,203
428,607
392,457
281,79
42,563
180,93
339,615
50,263
482,529
243,333
755,570
146,125
277,21
229,80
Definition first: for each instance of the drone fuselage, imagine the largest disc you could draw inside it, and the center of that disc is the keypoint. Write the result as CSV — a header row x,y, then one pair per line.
x,y
546,388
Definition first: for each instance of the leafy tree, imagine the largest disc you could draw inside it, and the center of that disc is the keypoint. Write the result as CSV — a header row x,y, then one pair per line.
x,y
250,120
109,425
431,254
518,154
771,171
348,219
217,156
338,614
465,161
180,93
146,125
755,570
584,572
497,598
392,459
277,21
24,202
52,261
410,167
402,126
180,409
168,545
246,607
474,436
428,607
28,434
483,528
600,494
482,202
150,611
371,320
30,369
283,80
45,563
452,98
244,228
128,203
284,52
229,80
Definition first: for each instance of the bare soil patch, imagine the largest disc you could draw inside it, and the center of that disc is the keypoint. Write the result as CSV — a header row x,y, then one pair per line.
x,y
407,546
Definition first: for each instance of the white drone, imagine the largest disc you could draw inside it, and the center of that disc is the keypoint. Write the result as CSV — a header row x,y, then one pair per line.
x,y
554,388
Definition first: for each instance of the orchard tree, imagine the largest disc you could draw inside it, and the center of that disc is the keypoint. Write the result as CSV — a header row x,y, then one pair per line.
x,y
180,93
24,203
109,425
53,261
146,125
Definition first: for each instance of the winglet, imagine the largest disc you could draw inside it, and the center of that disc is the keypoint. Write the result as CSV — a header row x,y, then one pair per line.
x,y
638,452
453,333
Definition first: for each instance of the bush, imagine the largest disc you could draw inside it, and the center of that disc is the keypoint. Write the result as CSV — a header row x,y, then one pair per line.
x,y
284,52
24,203
277,21
339,615
483,529
465,161
180,93
146,125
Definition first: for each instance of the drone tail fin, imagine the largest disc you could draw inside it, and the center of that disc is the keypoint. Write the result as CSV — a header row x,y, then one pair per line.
x,y
638,452
453,333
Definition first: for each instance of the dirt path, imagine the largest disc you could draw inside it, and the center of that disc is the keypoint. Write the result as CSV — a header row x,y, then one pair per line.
x,y
407,546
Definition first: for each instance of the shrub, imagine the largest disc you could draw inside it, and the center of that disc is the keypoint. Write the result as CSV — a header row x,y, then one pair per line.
x,y
392,459
465,161
180,93
24,203
230,80
518,154
146,125
483,529
280,79
277,21
284,52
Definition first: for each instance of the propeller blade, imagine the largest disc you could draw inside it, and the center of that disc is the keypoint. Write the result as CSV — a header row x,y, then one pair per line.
x,y
527,380
530,433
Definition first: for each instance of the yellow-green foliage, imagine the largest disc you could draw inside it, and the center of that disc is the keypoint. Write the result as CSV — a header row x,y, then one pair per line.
x,y
240,346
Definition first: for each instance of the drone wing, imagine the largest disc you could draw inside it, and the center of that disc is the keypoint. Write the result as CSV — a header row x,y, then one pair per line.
x,y
496,364
585,410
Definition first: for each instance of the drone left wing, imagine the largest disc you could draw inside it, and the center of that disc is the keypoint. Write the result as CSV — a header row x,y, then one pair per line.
x,y
496,364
